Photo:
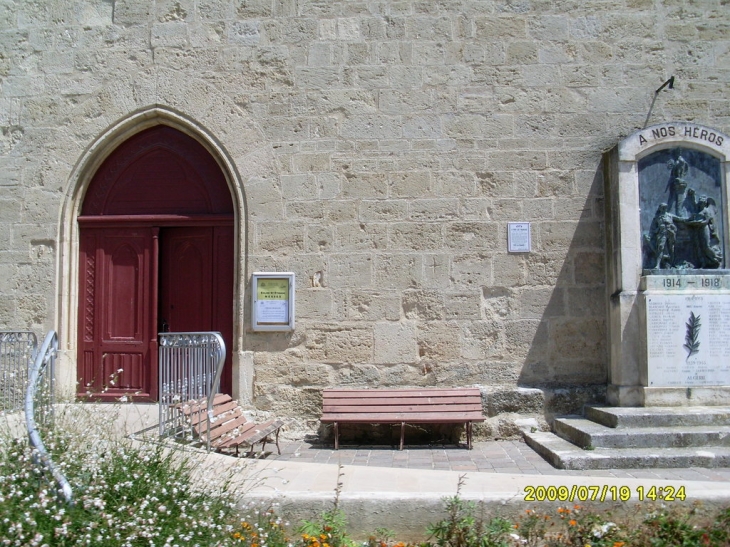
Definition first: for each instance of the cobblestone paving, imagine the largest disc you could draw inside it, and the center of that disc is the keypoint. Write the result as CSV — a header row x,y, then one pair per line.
x,y
487,457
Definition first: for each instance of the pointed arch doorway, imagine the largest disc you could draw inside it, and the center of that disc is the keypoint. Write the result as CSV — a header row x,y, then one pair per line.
x,y
156,253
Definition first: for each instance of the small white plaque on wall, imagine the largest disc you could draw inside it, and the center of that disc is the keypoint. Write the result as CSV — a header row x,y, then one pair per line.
x,y
272,305
519,237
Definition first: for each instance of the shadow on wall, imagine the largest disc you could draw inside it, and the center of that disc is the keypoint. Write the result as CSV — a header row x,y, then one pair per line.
x,y
567,357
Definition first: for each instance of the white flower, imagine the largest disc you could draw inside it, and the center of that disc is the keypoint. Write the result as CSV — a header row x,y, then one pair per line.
x,y
600,531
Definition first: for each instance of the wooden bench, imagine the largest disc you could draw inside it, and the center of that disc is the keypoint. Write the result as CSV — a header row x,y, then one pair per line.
x,y
402,406
229,427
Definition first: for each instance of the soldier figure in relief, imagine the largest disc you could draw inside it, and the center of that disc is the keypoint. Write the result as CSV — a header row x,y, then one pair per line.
x,y
662,237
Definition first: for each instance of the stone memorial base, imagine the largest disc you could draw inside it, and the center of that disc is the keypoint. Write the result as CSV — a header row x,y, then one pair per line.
x,y
633,396
690,396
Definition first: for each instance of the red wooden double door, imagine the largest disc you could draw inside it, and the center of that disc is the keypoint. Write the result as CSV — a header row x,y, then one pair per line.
x,y
156,254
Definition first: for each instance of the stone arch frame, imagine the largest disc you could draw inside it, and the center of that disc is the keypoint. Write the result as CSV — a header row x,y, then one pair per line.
x,y
627,362
68,235
627,155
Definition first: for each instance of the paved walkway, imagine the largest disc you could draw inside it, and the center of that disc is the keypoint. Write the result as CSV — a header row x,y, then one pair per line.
x,y
403,491
513,457
380,486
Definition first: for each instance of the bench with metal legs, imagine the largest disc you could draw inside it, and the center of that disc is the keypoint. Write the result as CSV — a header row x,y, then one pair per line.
x,y
402,406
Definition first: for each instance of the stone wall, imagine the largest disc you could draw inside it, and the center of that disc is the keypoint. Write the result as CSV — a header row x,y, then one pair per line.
x,y
378,150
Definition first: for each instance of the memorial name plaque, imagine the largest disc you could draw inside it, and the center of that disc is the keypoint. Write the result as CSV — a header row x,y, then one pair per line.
x,y
688,339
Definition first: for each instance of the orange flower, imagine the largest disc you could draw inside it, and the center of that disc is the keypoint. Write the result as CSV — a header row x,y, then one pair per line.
x,y
619,544
572,522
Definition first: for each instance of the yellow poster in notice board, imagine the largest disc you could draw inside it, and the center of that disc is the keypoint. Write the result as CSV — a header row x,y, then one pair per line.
x,y
273,289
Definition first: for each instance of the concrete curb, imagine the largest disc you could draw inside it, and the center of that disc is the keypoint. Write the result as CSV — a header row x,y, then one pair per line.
x,y
408,500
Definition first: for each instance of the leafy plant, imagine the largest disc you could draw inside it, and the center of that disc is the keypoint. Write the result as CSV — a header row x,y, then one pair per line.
x,y
464,528
531,529
331,528
263,527
676,528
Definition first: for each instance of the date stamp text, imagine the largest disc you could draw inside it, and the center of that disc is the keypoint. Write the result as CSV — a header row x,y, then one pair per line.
x,y
604,493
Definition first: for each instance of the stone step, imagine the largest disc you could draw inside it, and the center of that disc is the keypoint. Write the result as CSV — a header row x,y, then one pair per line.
x,y
564,455
588,434
619,417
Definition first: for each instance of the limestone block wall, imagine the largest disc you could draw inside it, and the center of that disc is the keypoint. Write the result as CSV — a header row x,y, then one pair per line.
x,y
378,149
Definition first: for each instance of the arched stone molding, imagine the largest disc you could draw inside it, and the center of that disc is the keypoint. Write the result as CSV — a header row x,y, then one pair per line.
x,y
214,120
628,367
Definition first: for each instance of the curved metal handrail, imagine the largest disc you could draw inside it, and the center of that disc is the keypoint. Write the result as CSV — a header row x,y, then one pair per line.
x,y
44,364
195,380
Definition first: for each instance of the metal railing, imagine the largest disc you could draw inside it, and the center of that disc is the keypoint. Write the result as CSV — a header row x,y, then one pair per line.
x,y
191,364
39,396
17,352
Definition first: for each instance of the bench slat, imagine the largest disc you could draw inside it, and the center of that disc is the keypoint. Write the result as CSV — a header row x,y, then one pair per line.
x,y
202,415
202,405
400,408
472,399
393,417
252,435
400,392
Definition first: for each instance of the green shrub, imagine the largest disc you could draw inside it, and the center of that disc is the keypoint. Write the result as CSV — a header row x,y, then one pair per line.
x,y
126,494
463,527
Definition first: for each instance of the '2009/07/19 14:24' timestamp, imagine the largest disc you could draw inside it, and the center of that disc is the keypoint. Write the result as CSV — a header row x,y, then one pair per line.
x,y
603,493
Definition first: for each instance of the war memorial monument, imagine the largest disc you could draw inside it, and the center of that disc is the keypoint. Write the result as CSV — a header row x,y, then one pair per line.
x,y
668,282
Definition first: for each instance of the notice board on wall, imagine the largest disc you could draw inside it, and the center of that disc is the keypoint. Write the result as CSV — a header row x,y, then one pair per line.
x,y
272,306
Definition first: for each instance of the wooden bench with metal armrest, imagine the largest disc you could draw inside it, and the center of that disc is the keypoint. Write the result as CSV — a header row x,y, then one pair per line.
x,y
229,428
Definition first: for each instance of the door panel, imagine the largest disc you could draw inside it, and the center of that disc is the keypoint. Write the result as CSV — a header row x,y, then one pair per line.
x,y
186,277
223,256
123,306
196,284
115,321
122,297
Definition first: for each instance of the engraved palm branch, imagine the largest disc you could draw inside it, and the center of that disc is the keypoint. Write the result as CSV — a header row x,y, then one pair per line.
x,y
691,338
